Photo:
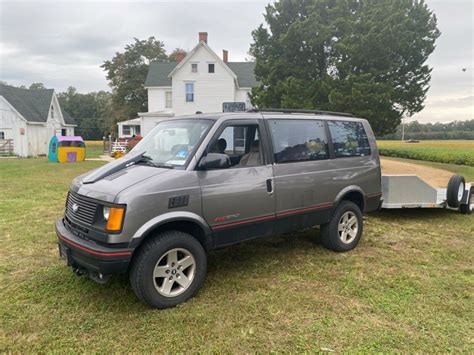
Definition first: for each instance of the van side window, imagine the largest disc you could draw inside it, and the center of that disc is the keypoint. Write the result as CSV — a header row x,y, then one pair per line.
x,y
241,143
349,139
298,140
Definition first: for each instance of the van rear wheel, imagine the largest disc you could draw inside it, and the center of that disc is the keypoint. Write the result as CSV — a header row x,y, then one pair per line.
x,y
344,230
169,269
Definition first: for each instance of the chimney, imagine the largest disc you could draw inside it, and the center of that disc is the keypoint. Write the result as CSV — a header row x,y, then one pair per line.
x,y
203,37
179,56
225,55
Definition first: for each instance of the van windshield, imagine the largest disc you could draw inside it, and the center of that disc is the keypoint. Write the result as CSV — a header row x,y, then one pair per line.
x,y
171,142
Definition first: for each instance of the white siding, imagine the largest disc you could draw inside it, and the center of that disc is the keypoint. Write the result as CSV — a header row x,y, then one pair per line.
x,y
157,98
35,138
38,138
242,95
12,124
210,89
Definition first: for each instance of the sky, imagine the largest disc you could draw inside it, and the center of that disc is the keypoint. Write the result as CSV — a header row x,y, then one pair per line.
x,y
63,43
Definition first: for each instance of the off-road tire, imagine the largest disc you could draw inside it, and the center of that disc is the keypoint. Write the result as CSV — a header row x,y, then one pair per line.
x,y
141,271
453,189
330,237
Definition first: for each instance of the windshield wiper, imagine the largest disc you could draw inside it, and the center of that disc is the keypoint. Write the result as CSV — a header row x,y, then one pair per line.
x,y
149,161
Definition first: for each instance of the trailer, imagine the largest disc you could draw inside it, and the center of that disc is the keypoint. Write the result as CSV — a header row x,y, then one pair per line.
x,y
410,191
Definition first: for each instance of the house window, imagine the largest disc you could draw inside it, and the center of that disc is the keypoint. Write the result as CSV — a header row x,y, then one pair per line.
x,y
2,135
126,130
52,111
211,67
169,102
194,68
137,130
189,92
63,132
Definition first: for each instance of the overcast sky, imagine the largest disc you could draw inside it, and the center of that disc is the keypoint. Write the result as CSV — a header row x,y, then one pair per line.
x,y
63,43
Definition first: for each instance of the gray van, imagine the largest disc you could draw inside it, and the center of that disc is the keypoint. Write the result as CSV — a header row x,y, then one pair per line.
x,y
207,181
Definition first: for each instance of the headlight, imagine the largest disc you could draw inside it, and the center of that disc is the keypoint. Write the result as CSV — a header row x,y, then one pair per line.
x,y
106,213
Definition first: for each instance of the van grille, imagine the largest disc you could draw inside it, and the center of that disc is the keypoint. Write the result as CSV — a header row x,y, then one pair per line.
x,y
86,210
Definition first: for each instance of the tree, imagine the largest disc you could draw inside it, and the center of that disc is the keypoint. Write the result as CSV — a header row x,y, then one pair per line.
x,y
172,55
126,73
35,86
91,111
366,57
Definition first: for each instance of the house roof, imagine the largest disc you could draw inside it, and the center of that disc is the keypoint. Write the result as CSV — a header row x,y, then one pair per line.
x,y
69,139
158,73
245,72
32,104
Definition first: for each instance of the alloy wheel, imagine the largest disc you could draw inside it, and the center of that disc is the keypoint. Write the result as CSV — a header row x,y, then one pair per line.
x,y
174,272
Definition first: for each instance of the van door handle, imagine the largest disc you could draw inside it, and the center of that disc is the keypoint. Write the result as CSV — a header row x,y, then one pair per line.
x,y
269,187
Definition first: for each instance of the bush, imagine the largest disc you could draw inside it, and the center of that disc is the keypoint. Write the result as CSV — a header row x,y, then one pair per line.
x,y
439,155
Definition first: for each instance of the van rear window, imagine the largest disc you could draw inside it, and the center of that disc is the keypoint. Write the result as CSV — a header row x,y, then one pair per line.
x,y
349,139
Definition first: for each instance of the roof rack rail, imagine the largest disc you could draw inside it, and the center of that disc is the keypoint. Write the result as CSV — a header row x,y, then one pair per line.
x,y
292,110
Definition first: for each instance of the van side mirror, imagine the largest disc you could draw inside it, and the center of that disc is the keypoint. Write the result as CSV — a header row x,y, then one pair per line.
x,y
214,161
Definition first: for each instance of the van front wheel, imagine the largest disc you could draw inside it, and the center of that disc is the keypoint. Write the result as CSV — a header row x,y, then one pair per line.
x,y
343,231
169,269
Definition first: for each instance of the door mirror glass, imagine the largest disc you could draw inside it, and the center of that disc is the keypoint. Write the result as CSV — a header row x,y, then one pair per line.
x,y
215,161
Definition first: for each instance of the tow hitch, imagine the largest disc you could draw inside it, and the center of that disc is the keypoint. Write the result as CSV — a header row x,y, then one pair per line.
x,y
94,276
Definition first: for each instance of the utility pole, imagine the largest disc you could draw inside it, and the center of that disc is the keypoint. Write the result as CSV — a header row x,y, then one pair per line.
x,y
403,129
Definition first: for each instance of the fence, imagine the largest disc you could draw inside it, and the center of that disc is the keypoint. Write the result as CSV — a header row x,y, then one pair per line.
x,y
6,146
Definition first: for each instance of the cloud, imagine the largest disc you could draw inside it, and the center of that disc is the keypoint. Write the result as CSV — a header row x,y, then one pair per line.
x,y
64,43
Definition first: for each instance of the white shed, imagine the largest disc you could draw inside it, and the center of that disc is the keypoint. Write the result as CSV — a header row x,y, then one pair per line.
x,y
29,118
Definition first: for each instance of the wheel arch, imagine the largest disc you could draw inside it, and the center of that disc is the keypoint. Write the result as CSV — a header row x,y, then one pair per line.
x,y
354,194
186,222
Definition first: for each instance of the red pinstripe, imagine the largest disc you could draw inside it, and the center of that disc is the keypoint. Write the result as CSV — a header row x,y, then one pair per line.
x,y
270,217
90,251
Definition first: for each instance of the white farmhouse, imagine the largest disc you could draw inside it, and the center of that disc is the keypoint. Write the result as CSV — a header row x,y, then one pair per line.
x,y
29,118
199,81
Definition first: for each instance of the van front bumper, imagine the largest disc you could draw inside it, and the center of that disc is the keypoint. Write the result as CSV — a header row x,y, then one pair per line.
x,y
89,257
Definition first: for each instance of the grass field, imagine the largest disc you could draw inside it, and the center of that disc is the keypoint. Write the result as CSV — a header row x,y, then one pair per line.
x,y
450,151
407,287
94,149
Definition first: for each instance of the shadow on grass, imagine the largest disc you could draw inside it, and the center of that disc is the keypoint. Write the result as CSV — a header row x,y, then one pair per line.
x,y
414,214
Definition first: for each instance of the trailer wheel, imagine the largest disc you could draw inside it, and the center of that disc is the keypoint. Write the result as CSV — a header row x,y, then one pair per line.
x,y
456,191
467,208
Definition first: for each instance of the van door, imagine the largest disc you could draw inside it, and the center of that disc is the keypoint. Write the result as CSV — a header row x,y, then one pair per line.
x,y
238,202
302,173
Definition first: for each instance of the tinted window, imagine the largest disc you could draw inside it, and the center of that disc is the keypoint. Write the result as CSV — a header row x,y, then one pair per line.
x,y
242,145
349,139
298,140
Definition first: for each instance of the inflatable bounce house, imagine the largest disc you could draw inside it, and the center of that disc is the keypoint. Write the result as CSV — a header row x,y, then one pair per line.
x,y
64,149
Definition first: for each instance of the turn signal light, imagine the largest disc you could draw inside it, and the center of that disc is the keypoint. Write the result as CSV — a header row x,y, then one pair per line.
x,y
114,223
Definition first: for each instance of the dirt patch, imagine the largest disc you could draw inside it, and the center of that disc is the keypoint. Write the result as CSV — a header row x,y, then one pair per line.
x,y
433,176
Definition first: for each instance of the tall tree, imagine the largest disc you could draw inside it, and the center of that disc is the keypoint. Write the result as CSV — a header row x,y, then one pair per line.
x,y
91,111
367,57
126,73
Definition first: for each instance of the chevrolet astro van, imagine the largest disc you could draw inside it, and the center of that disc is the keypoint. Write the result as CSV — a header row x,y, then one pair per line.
x,y
207,181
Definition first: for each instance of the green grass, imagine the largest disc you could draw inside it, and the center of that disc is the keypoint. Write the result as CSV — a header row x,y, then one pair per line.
x,y
459,152
408,286
94,149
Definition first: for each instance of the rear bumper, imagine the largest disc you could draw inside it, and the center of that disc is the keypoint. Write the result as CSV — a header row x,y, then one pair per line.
x,y
83,254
